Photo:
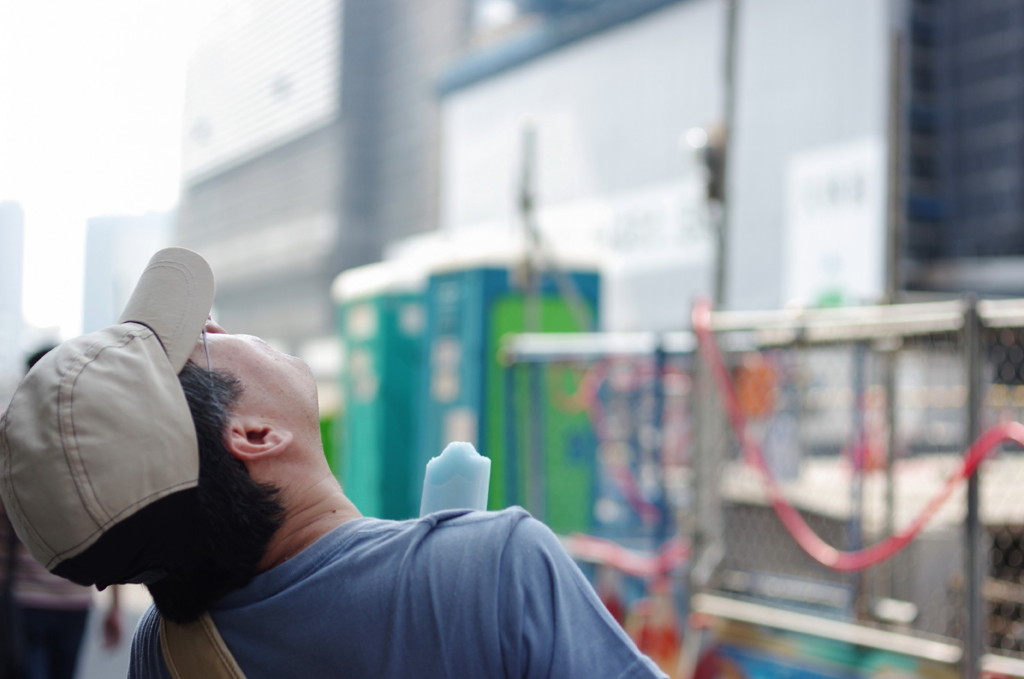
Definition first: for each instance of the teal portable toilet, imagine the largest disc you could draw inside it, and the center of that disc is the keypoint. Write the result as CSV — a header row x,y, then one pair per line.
x,y
381,324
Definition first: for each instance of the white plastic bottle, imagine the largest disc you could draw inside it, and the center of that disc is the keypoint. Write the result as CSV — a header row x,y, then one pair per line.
x,y
456,479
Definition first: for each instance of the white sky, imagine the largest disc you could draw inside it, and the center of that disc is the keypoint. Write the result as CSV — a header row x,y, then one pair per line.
x,y
91,95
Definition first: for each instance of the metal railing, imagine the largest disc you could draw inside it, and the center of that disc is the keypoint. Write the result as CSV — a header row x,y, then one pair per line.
x,y
860,417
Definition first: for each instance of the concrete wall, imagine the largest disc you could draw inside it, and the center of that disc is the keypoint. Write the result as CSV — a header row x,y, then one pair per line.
x,y
812,78
806,185
608,113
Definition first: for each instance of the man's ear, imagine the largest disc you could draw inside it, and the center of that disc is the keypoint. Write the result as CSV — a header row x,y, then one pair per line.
x,y
250,439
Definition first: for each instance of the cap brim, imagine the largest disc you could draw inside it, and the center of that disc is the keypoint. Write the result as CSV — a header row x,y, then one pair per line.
x,y
173,298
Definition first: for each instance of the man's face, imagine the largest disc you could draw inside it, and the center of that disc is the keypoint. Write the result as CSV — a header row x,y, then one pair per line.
x,y
274,383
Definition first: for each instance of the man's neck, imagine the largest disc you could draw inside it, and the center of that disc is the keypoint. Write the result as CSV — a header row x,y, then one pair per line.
x,y
310,513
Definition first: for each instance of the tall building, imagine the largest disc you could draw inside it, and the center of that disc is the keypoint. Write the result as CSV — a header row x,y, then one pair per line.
x,y
116,251
260,162
311,140
319,131
12,243
965,137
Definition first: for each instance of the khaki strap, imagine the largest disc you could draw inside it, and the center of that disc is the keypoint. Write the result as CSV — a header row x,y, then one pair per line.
x,y
196,651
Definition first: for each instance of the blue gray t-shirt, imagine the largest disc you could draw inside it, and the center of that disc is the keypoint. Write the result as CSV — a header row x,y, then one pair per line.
x,y
454,594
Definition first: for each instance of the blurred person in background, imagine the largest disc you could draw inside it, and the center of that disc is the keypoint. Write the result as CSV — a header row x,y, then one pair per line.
x,y
45,615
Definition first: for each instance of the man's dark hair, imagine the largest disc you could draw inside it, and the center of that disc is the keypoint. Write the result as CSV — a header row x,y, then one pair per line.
x,y
236,515
34,357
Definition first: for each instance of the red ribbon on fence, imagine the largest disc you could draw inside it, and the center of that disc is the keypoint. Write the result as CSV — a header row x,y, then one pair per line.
x,y
805,537
672,555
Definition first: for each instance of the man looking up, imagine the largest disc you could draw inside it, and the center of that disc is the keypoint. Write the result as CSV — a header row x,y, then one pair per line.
x,y
166,451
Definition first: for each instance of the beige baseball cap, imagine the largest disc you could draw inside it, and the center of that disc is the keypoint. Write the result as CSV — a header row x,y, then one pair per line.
x,y
98,451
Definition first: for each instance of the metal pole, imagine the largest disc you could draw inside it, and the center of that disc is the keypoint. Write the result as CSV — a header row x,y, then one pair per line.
x,y
694,518
974,556
893,281
721,215
537,258
533,322
702,496
858,453
894,221
531,253
510,474
537,491
889,359
656,441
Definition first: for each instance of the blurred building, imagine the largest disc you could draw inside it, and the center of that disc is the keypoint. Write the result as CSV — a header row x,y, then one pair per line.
x,y
311,140
12,241
628,100
116,251
585,105
319,132
965,136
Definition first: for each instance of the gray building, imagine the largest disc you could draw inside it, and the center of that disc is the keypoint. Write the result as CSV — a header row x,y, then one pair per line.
x,y
311,140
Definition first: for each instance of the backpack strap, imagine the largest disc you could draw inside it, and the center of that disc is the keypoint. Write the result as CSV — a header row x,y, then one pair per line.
x,y
196,650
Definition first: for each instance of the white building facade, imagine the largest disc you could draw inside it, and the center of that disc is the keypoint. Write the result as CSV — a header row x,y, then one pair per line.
x,y
611,108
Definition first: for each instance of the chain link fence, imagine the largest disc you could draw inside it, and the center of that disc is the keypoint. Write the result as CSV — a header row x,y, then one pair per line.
x,y
853,423
629,397
636,392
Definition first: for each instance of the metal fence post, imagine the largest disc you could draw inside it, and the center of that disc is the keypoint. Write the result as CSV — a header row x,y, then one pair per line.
x,y
858,460
537,489
655,440
696,524
510,473
892,442
709,441
974,556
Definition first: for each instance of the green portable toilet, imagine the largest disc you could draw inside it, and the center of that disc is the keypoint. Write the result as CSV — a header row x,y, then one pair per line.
x,y
381,324
472,302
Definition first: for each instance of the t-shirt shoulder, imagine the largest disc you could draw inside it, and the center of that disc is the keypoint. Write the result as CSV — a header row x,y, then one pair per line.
x,y
508,518
557,625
